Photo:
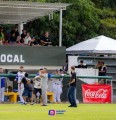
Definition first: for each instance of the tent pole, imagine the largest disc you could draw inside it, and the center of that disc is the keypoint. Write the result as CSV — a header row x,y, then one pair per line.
x,y
60,29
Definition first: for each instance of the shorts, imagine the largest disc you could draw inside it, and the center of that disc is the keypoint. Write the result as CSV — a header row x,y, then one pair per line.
x,y
36,91
27,93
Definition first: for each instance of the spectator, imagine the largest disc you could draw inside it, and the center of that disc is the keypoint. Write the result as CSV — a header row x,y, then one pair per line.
x,y
15,33
45,40
27,39
98,65
81,65
37,87
102,72
12,38
28,88
65,68
1,36
18,39
33,42
8,36
23,35
103,69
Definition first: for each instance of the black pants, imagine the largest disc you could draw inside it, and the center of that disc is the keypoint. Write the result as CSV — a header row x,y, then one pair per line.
x,y
36,90
71,95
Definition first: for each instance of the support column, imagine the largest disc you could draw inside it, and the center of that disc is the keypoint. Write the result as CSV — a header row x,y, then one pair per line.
x,y
20,27
60,29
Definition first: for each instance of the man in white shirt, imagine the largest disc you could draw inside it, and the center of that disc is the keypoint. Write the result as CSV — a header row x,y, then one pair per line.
x,y
18,78
44,86
27,39
37,86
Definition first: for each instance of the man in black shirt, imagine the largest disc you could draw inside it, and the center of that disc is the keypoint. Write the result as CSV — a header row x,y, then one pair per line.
x,y
45,40
33,42
23,35
102,72
14,34
72,88
81,65
28,87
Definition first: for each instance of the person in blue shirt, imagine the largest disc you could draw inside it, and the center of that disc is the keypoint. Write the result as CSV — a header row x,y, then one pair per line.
x,y
2,86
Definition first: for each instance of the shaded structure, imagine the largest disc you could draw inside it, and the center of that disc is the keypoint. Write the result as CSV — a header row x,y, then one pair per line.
x,y
19,12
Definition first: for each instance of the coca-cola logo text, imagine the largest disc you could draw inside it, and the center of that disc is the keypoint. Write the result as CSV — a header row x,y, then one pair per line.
x,y
101,93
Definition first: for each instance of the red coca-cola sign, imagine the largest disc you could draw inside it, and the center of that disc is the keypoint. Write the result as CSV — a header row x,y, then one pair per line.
x,y
96,93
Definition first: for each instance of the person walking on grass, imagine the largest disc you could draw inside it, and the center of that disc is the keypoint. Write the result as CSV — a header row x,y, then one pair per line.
x,y
28,89
44,85
72,88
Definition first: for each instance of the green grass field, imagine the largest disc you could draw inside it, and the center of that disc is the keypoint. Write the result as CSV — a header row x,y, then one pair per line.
x,y
37,112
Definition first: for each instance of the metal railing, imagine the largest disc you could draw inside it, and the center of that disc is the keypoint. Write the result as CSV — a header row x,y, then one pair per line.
x,y
62,76
68,76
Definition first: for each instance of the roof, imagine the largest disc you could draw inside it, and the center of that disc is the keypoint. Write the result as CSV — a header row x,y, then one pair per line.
x,y
99,45
15,12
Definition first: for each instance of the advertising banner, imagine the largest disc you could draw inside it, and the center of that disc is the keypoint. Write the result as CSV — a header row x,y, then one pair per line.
x,y
32,55
96,93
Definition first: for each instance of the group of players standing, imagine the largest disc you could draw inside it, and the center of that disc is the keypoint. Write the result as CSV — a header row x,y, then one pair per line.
x,y
36,88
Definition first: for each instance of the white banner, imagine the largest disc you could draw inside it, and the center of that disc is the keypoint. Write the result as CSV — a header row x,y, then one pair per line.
x,y
87,72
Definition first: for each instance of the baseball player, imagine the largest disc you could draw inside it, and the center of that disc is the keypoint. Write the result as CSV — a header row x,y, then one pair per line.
x,y
18,78
57,87
2,86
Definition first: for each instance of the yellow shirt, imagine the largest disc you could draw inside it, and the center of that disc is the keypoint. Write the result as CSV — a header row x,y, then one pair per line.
x,y
1,36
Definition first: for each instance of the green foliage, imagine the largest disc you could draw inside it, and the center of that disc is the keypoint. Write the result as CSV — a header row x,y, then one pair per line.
x,y
108,22
105,3
111,23
32,0
80,22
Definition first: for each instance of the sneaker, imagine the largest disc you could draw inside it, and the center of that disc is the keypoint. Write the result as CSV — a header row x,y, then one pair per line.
x,y
31,103
43,105
70,106
25,103
75,106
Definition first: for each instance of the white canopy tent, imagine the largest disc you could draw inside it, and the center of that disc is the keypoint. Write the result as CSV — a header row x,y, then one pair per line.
x,y
97,45
19,12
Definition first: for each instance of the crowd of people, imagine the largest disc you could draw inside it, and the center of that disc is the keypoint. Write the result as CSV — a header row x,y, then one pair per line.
x,y
102,69
31,90
13,37
35,88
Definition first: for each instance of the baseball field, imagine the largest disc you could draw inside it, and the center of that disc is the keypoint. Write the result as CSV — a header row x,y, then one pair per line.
x,y
38,112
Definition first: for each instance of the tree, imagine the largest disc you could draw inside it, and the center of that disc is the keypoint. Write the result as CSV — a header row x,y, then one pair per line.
x,y
105,3
80,22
